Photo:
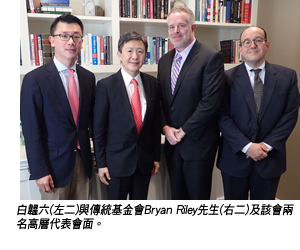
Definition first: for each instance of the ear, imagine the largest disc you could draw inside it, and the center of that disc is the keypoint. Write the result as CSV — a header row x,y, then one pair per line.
x,y
194,26
51,39
119,54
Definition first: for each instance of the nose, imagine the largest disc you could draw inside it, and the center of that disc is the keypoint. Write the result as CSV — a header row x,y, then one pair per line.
x,y
253,44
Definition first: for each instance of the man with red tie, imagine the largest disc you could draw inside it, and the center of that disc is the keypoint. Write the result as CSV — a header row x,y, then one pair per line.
x,y
127,124
57,101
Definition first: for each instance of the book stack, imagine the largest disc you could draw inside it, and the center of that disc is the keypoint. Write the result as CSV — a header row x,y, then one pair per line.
x,y
157,47
150,9
96,50
41,51
230,51
58,7
223,11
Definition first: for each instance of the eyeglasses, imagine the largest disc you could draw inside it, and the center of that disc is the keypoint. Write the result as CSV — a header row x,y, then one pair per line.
x,y
66,37
258,41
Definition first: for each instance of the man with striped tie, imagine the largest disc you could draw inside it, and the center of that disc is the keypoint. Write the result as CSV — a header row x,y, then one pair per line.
x,y
192,79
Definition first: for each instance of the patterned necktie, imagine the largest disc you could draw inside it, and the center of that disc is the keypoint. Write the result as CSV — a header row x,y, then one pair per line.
x,y
175,71
73,97
136,106
257,90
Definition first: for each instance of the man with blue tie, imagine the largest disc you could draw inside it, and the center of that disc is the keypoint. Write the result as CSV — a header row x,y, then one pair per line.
x,y
259,112
57,101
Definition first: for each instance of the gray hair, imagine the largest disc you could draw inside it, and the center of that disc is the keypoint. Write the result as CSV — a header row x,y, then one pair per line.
x,y
189,12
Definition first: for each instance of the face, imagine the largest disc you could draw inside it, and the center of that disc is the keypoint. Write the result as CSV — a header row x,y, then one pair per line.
x,y
181,32
132,56
66,52
254,55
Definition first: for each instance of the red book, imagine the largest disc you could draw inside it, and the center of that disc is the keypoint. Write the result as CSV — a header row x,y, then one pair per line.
x,y
151,9
102,50
36,50
247,11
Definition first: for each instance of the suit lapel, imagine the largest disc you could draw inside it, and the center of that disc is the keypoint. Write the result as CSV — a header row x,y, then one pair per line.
x,y
269,87
243,81
192,56
57,86
82,89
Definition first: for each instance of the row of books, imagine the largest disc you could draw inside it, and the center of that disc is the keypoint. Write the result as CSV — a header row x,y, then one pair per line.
x,y
150,9
230,51
96,50
223,11
157,47
49,6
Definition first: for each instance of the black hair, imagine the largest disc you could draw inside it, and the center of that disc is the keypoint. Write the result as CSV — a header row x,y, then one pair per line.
x,y
131,35
68,18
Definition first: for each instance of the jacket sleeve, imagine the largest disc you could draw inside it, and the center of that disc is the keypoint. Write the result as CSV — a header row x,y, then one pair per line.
x,y
101,111
32,124
212,93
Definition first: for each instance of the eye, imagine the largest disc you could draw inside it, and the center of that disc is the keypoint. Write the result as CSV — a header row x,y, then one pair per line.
x,y
171,27
65,36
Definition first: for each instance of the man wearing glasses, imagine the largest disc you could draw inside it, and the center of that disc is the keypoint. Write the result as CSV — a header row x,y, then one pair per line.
x,y
57,102
259,112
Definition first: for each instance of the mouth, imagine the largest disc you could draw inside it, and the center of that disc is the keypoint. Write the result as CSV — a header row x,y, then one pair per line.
x,y
71,50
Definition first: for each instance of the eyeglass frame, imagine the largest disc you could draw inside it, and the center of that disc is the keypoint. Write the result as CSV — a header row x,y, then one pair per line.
x,y
252,40
81,37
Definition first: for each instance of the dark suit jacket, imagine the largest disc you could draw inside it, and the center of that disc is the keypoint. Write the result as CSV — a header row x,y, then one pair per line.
x,y
48,125
239,126
118,146
197,97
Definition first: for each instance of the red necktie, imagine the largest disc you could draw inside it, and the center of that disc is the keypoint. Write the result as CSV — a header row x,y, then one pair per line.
x,y
73,96
136,106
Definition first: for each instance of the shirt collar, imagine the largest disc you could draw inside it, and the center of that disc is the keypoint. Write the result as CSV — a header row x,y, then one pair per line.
x,y
61,67
187,50
127,78
262,67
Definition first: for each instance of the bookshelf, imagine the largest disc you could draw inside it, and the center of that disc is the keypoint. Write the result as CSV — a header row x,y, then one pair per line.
x,y
113,25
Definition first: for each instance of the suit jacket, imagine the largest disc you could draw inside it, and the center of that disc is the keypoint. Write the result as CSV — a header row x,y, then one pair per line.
x,y
118,145
196,99
239,126
49,127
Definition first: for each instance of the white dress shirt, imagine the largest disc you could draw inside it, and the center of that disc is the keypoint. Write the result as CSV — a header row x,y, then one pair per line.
x,y
251,75
64,75
130,89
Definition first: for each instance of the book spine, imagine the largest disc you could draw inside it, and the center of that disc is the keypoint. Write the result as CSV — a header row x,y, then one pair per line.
x,y
36,50
151,49
94,50
98,51
102,50
31,4
40,48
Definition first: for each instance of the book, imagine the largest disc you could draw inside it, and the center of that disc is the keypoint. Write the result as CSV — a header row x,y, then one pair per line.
x,y
53,9
219,11
94,50
36,50
55,2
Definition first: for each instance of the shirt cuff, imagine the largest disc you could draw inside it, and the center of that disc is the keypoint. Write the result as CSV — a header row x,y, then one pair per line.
x,y
245,149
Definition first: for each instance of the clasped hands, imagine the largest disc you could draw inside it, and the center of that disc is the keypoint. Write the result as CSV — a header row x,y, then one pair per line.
x,y
173,135
257,151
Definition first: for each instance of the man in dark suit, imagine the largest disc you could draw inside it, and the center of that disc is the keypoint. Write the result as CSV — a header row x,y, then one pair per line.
x,y
255,128
189,107
57,133
127,142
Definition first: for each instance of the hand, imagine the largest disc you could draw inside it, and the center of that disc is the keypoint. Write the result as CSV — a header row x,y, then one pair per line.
x,y
155,168
104,175
181,134
170,134
45,184
257,151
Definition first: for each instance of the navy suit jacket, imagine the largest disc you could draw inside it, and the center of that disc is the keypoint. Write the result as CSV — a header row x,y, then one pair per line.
x,y
118,145
48,125
277,118
195,102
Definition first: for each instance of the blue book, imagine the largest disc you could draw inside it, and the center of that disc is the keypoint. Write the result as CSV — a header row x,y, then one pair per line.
x,y
55,2
94,50
228,11
151,49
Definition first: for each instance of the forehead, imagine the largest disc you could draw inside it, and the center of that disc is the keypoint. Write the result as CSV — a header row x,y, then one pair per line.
x,y
252,33
177,17
134,44
68,27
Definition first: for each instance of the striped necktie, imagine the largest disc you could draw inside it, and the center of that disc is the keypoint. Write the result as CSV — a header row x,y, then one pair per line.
x,y
175,71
